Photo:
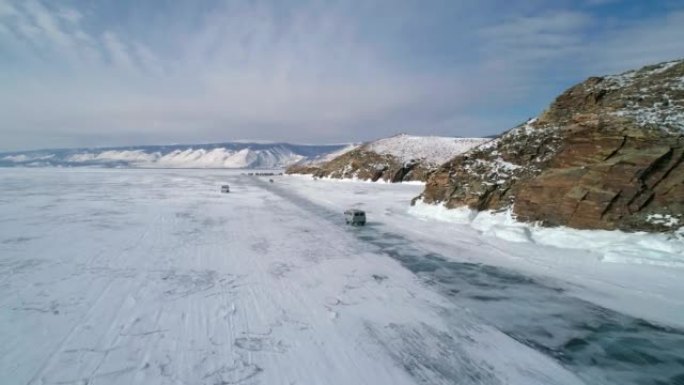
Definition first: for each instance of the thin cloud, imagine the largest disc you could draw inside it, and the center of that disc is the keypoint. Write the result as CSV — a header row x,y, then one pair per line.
x,y
533,42
304,71
117,52
638,43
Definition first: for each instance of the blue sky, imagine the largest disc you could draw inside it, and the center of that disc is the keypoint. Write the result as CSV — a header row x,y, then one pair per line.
x,y
122,72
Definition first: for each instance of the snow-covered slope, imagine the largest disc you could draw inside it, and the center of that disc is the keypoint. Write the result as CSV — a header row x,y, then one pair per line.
x,y
329,156
653,95
432,149
400,158
221,155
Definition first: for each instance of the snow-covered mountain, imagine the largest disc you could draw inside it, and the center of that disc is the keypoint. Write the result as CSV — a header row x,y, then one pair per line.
x,y
434,150
327,157
217,155
395,159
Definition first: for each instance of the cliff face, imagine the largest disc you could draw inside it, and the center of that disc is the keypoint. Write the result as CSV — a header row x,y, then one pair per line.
x,y
366,165
397,159
607,154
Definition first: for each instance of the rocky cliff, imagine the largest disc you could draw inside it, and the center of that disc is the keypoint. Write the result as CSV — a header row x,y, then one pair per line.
x,y
396,159
607,154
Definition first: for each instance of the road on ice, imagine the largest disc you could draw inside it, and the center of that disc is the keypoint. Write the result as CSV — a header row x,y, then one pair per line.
x,y
155,277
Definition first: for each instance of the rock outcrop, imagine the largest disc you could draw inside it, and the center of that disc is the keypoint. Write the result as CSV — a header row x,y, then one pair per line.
x,y
397,159
607,154
365,165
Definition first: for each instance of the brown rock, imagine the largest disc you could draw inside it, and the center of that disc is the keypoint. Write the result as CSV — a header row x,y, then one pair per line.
x,y
607,154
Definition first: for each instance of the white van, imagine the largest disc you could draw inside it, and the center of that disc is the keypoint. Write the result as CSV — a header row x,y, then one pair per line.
x,y
355,217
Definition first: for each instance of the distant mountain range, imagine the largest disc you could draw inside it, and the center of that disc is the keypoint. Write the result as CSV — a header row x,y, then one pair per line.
x,y
215,155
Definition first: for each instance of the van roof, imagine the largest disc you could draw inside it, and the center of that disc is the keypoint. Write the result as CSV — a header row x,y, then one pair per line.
x,y
354,211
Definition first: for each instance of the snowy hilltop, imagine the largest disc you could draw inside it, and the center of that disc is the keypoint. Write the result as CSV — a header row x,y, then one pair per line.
x,y
218,155
607,154
433,150
395,159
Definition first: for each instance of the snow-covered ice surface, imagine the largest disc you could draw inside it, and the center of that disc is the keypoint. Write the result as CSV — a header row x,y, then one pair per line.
x,y
438,149
611,320
154,277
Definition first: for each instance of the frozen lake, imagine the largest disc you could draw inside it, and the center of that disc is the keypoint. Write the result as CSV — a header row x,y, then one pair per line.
x,y
154,277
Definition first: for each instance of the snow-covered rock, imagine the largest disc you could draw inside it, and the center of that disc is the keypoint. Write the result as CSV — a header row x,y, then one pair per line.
x,y
607,154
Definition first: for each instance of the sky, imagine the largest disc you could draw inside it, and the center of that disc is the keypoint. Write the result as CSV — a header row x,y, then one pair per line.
x,y
79,73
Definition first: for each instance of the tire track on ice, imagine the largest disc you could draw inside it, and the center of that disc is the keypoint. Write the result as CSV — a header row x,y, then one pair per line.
x,y
86,269
439,361
60,346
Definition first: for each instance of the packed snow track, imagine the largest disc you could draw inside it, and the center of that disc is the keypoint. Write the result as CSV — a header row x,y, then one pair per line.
x,y
155,277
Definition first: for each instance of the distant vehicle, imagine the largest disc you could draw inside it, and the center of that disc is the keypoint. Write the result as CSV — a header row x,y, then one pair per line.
x,y
355,217
225,188
270,180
